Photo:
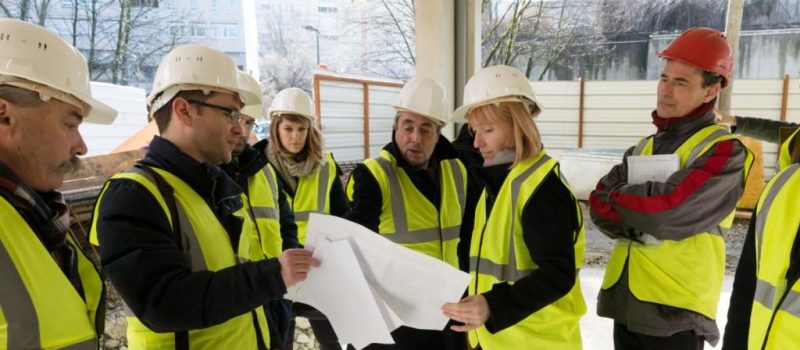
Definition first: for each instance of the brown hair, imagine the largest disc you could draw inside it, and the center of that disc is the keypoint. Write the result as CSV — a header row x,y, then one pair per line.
x,y
164,114
527,141
314,144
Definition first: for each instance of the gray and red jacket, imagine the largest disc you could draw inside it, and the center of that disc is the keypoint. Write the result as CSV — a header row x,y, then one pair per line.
x,y
694,200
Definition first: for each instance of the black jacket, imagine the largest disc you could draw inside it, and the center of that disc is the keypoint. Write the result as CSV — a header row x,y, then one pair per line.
x,y
338,200
249,163
549,221
151,272
737,330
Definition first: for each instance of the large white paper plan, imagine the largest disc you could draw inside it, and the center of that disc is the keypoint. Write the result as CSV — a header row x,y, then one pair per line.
x,y
408,287
656,168
352,318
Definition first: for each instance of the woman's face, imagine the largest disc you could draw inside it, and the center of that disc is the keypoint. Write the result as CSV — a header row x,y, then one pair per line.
x,y
293,135
492,135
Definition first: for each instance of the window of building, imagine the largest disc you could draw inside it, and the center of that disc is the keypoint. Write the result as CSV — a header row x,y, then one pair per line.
x,y
193,4
177,29
233,5
145,3
198,30
327,9
231,31
213,4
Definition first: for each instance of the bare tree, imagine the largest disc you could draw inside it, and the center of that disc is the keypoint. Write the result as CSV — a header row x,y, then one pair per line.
x,y
539,35
388,28
285,60
21,9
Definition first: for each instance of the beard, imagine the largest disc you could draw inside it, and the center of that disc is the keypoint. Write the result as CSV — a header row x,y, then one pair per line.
x,y
74,164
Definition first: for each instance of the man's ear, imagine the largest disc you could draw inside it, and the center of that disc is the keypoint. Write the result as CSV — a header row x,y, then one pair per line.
x,y
180,110
7,122
712,92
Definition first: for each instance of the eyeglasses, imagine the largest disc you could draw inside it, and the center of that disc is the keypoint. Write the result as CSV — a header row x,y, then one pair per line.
x,y
248,124
232,115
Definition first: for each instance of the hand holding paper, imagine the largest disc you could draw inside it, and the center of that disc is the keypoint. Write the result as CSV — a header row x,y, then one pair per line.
x,y
377,285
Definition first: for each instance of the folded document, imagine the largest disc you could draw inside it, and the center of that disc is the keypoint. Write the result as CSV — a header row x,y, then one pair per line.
x,y
368,286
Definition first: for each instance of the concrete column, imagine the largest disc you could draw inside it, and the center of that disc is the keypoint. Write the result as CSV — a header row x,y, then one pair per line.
x,y
435,46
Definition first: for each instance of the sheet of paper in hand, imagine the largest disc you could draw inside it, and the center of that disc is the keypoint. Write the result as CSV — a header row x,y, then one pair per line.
x,y
655,168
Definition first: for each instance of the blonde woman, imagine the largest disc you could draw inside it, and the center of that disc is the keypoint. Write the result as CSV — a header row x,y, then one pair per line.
x,y
528,238
310,178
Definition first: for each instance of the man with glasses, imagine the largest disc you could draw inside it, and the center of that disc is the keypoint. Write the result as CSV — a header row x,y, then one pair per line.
x,y
175,236
269,208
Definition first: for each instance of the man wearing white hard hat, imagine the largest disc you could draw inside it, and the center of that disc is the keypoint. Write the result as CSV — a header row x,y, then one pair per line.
x,y
51,295
418,170
175,236
266,200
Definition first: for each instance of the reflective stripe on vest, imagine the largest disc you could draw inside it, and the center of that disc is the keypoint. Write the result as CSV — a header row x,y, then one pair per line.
x,y
425,229
498,254
312,195
262,197
39,307
775,314
208,248
658,272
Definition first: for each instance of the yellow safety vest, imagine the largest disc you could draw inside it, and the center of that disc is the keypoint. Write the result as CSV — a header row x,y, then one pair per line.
x,y
209,249
313,195
775,316
262,193
39,307
498,254
785,156
685,274
409,218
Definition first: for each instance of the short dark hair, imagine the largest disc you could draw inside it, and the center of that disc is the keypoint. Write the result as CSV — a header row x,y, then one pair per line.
x,y
711,78
19,96
163,115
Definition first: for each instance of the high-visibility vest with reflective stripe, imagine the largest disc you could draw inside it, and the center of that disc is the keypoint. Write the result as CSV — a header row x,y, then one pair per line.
x,y
685,274
498,253
409,218
313,195
775,316
39,307
785,154
208,248
262,193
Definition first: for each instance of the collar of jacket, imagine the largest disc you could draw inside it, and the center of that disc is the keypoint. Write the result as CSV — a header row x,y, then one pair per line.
x,y
246,164
443,150
209,181
669,124
494,176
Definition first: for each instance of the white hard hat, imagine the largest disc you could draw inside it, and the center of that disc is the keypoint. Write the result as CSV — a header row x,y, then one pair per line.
x,y
195,67
33,54
423,96
254,110
292,101
497,84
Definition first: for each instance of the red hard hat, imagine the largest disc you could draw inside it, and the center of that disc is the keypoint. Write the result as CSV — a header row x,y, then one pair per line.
x,y
704,48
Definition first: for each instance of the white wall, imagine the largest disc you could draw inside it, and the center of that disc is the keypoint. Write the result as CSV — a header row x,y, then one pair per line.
x,y
342,116
617,113
130,103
